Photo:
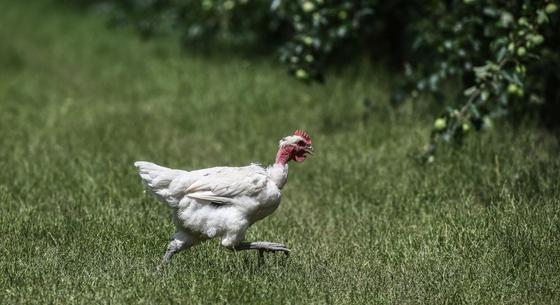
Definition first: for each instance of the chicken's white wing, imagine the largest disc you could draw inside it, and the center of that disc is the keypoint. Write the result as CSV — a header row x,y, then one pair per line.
x,y
228,183
217,184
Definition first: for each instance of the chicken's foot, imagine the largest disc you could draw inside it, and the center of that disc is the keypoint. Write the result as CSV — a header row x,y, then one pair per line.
x,y
262,246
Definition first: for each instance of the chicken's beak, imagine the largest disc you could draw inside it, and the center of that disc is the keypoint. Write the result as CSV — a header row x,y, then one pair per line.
x,y
309,149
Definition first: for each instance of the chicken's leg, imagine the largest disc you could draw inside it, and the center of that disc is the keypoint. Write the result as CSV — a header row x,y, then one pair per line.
x,y
180,241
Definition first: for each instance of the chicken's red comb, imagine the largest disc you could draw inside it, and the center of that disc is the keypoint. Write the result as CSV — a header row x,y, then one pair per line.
x,y
303,134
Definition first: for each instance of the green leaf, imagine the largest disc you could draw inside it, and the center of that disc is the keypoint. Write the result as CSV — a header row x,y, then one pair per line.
x,y
501,53
542,17
469,91
474,111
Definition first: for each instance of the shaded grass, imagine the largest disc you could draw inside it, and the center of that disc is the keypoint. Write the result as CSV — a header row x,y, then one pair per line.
x,y
79,103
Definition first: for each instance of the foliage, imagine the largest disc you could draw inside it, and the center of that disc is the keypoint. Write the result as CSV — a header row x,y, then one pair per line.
x,y
497,49
504,55
320,28
234,21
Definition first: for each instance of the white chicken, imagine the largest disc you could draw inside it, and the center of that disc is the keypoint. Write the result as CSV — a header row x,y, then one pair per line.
x,y
223,202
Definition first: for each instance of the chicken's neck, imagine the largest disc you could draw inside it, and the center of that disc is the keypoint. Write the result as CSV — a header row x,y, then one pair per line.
x,y
279,171
284,155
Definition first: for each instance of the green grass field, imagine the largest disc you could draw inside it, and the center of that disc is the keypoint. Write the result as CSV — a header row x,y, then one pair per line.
x,y
367,224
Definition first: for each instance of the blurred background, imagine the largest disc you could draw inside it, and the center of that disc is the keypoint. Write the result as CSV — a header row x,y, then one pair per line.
x,y
434,123
479,59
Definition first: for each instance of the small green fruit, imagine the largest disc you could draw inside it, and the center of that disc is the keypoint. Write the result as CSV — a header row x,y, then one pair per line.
x,y
520,69
207,4
512,88
521,51
308,6
440,124
466,127
511,46
301,74
308,40
229,5
487,123
309,58
484,95
550,8
537,39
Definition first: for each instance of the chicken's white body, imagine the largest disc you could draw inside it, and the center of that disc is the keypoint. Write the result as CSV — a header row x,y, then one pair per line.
x,y
223,202
216,202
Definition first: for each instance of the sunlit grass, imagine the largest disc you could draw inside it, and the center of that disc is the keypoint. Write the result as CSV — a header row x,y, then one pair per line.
x,y
80,102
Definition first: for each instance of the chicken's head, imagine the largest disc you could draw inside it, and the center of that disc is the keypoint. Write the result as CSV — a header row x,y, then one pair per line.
x,y
296,146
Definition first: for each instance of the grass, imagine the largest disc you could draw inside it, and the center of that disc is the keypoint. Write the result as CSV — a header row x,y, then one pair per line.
x,y
80,102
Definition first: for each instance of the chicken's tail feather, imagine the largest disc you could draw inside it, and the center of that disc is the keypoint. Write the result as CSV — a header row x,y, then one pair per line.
x,y
157,179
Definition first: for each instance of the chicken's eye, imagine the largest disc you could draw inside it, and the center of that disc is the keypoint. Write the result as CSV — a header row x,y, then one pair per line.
x,y
301,143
